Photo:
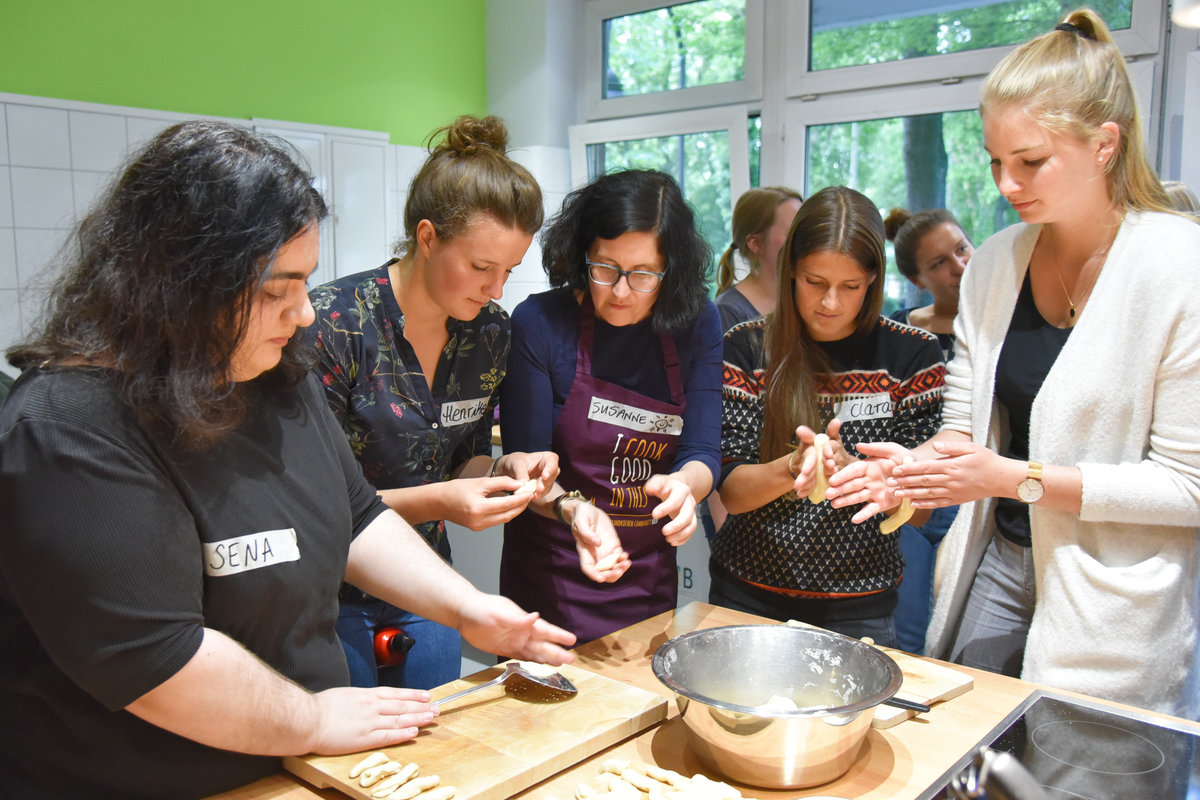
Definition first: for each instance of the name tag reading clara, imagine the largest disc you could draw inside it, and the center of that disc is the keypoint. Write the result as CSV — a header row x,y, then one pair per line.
x,y
461,412
634,418
252,551
872,406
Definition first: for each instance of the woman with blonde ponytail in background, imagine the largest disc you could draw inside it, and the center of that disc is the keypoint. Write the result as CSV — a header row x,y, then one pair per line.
x,y
761,220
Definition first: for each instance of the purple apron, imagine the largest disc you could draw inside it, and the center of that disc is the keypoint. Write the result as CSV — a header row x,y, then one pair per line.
x,y
609,440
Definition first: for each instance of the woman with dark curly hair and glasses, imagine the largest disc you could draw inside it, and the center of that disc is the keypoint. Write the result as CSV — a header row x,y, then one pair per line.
x,y
617,370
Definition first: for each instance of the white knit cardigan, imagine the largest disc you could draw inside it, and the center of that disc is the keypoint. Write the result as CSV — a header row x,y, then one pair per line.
x,y
1117,597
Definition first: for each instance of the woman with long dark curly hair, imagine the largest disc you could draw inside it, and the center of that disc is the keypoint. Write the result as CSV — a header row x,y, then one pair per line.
x,y
617,370
180,507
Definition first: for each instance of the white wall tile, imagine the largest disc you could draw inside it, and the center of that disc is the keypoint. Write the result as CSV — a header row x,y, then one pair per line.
x,y
140,130
97,141
8,260
38,137
11,329
35,248
6,209
42,198
3,134
87,186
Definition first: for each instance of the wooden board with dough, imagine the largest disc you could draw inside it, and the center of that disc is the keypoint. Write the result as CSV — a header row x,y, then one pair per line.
x,y
496,742
924,682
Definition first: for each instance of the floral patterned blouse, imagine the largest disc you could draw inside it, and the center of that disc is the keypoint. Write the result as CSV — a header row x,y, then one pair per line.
x,y
402,433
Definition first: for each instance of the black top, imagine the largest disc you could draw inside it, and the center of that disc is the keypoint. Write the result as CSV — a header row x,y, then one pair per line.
x,y
118,550
1030,349
946,340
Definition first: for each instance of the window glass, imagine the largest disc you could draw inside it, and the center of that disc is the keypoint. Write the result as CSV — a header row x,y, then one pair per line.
x,y
689,44
917,163
699,162
874,31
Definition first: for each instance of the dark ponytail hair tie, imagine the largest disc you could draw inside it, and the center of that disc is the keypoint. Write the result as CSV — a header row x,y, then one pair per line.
x,y
1075,29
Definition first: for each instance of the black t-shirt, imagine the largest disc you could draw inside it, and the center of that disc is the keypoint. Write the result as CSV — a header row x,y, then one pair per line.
x,y
1030,349
118,550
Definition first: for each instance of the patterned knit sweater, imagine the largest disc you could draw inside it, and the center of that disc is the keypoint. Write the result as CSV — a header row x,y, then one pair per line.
x,y
886,386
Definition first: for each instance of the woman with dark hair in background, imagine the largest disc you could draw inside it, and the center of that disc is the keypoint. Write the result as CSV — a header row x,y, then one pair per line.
x,y
824,360
761,220
180,506
1070,433
931,251
411,355
618,371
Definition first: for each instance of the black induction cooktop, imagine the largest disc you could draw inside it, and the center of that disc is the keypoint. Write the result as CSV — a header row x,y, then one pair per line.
x,y
1080,751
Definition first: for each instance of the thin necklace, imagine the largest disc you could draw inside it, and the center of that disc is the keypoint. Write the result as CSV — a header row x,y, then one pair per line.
x,y
1100,255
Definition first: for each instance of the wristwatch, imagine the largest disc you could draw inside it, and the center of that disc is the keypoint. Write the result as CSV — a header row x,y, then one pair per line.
x,y
574,494
1031,490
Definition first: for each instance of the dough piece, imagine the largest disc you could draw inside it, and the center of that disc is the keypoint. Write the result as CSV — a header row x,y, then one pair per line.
x,y
537,670
715,788
817,495
614,765
373,775
373,760
607,563
585,790
901,515
528,487
414,787
639,780
394,782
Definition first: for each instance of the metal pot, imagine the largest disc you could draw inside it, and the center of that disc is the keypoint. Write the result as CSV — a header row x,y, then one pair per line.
x,y
730,684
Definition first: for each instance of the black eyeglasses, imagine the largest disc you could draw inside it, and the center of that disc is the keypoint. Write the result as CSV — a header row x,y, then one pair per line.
x,y
639,280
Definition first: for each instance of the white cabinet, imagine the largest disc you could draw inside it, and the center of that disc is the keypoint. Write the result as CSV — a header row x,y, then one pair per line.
x,y
349,172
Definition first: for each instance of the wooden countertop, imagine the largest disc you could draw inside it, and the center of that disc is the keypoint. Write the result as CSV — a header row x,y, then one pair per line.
x,y
896,763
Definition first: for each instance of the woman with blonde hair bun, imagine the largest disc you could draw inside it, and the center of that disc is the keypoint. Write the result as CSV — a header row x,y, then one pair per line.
x,y
761,220
1069,424
411,355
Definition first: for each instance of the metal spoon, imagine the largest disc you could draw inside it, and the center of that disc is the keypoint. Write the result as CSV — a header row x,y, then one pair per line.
x,y
554,680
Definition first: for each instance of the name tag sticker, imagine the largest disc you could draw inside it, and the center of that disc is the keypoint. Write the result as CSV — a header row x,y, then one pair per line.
x,y
872,406
462,412
634,418
252,551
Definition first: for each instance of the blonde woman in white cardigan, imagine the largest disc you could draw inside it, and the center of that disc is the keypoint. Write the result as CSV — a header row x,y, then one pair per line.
x,y
1072,397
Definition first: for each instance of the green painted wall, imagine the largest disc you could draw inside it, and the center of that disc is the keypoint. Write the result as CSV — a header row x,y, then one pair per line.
x,y
400,66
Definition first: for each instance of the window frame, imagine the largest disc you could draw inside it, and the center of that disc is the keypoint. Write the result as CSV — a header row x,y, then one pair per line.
x,y
598,107
1142,38
800,113
732,119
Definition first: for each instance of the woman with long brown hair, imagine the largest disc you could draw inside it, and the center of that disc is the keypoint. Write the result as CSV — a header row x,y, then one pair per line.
x,y
823,361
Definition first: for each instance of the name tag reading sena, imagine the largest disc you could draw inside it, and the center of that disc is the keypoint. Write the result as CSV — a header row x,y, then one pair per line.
x,y
634,418
252,551
461,412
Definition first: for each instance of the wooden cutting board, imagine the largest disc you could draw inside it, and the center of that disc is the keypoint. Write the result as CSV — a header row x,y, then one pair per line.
x,y
503,739
924,682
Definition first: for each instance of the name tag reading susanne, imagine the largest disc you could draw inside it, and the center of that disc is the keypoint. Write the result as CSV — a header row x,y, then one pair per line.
x,y
461,412
634,418
872,406
252,551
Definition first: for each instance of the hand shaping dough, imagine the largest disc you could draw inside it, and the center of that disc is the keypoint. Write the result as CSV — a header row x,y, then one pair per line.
x,y
902,514
817,495
607,563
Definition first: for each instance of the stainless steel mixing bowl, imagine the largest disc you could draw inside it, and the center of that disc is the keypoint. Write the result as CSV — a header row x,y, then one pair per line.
x,y
732,685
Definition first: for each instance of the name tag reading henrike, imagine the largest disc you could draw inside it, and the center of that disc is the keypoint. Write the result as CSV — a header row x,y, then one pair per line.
x,y
634,418
461,412
872,406
252,551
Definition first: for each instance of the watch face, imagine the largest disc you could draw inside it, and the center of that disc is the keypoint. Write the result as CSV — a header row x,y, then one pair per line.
x,y
1030,490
